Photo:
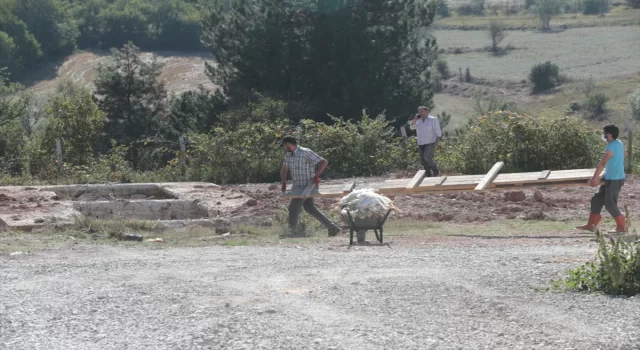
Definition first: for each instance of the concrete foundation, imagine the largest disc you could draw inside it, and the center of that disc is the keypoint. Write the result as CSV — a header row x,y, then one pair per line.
x,y
26,208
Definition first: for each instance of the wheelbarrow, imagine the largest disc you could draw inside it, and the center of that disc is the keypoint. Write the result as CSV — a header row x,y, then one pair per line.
x,y
360,226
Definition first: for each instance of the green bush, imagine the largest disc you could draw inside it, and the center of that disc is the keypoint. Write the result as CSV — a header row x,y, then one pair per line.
x,y
443,68
474,8
250,152
615,269
523,143
442,9
596,105
594,7
544,76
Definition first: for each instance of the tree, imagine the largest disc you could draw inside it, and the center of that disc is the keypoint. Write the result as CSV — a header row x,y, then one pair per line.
x,y
194,111
129,91
497,34
442,9
336,57
14,100
51,25
126,20
20,47
74,118
545,9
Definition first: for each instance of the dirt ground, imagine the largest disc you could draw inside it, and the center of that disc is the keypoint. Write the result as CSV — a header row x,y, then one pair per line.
x,y
258,201
556,204
456,271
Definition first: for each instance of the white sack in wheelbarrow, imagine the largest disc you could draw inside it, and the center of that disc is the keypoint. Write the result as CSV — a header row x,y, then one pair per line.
x,y
365,204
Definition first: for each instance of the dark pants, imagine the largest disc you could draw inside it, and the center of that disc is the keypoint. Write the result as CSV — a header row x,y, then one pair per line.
x,y
426,158
607,196
295,208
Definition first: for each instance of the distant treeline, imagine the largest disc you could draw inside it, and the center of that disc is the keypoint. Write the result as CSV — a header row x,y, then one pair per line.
x,y
33,31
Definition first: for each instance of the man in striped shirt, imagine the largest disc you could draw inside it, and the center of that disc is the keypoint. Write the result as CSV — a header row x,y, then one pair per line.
x,y
306,167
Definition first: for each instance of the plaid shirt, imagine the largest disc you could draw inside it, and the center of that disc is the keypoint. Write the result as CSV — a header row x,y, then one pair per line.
x,y
302,163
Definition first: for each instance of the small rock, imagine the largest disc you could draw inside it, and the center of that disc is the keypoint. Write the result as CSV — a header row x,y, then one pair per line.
x,y
23,206
55,198
138,196
252,202
537,195
39,221
273,187
516,196
16,253
30,188
198,186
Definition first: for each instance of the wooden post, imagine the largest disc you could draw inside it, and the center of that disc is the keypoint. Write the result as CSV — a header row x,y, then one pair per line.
x,y
183,162
59,153
491,175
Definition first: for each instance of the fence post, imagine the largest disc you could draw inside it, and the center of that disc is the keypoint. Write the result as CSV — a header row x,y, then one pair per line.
x,y
59,153
183,162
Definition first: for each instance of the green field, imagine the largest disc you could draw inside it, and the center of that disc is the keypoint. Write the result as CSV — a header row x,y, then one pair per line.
x,y
618,16
601,52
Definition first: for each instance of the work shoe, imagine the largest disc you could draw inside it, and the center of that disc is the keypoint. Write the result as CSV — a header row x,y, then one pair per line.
x,y
592,224
621,225
334,231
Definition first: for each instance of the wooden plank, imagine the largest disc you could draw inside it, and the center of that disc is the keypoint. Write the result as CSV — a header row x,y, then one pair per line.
x,y
491,175
307,191
544,174
417,179
452,184
324,191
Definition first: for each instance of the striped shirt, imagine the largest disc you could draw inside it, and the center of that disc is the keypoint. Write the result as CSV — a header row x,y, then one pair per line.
x,y
302,163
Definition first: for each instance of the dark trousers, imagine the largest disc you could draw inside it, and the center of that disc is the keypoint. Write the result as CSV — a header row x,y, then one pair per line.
x,y
297,204
426,158
607,196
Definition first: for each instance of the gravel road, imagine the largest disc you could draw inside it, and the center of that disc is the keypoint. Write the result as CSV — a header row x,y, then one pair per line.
x,y
375,297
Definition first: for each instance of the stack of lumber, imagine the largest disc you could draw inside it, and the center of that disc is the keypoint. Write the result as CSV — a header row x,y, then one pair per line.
x,y
490,181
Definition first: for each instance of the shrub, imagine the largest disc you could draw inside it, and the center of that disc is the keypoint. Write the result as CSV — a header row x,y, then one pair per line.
x,y
443,68
474,8
615,269
523,143
442,9
634,104
436,82
596,104
634,4
486,104
544,76
594,7
250,151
